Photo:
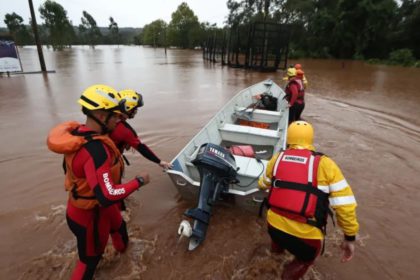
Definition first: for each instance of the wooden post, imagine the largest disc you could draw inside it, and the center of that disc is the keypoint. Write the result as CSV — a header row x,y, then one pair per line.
x,y
38,42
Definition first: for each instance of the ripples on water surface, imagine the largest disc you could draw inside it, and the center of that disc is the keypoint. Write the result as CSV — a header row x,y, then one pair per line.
x,y
366,117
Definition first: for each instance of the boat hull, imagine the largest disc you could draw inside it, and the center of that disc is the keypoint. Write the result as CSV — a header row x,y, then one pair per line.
x,y
226,129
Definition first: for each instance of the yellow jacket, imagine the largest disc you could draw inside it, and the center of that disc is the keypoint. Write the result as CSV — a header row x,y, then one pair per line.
x,y
330,180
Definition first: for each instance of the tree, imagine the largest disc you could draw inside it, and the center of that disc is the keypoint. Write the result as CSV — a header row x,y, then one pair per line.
x,y
406,34
184,27
114,31
154,33
322,21
17,29
362,28
13,22
88,30
61,32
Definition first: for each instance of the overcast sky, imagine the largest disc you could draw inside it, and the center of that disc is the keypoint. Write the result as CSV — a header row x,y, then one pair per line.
x,y
127,13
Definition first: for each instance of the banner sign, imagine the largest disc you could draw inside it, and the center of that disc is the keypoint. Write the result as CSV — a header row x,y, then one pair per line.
x,y
9,58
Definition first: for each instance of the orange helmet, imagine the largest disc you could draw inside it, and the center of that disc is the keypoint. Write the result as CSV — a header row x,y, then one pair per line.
x,y
299,73
298,66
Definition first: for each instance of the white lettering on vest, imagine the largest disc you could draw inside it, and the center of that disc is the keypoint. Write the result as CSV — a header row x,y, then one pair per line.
x,y
296,159
108,185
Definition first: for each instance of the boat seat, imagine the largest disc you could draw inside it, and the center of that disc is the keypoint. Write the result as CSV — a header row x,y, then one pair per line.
x,y
257,115
249,135
250,167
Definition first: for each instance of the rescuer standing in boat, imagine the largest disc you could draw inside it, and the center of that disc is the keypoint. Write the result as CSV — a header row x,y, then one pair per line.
x,y
295,95
125,136
303,185
93,169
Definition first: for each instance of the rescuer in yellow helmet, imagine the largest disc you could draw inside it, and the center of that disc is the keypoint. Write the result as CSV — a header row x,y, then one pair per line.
x,y
93,170
303,186
125,136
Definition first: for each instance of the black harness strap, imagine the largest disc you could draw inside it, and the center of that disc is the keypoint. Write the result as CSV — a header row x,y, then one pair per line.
x,y
321,208
299,187
88,135
126,160
77,196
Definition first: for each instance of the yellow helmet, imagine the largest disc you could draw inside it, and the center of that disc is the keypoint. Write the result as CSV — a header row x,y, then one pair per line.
x,y
100,97
291,72
301,133
130,100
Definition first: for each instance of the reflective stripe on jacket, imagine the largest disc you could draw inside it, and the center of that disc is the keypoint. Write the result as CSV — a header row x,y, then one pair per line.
x,y
330,180
294,193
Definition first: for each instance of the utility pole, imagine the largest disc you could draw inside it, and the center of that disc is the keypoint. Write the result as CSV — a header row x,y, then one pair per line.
x,y
38,42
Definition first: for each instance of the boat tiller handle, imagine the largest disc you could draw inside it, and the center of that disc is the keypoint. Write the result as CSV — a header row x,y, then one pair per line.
x,y
181,182
185,229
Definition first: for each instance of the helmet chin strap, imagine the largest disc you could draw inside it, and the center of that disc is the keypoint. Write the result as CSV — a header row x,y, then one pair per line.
x,y
130,115
104,128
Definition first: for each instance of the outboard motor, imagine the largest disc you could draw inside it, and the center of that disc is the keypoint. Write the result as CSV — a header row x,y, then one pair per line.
x,y
217,168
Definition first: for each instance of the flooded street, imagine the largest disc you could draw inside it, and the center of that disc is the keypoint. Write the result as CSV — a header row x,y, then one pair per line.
x,y
366,117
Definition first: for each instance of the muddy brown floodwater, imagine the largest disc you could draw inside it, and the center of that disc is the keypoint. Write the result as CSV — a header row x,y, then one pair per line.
x,y
366,117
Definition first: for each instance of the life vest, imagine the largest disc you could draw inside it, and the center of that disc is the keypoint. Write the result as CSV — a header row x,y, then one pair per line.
x,y
254,124
65,139
242,150
301,89
294,193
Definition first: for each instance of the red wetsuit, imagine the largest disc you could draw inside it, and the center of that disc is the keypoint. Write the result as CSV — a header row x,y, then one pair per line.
x,y
295,94
92,227
124,136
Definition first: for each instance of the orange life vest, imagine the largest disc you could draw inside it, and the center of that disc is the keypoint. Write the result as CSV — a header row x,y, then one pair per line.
x,y
294,193
254,124
64,139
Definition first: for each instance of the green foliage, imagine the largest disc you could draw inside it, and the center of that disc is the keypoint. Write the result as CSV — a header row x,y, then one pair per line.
x,y
402,57
355,29
358,29
154,34
296,53
17,29
89,32
362,27
13,22
184,28
406,34
114,31
61,32
375,61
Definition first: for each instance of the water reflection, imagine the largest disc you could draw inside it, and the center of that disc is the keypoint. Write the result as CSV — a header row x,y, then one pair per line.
x,y
366,117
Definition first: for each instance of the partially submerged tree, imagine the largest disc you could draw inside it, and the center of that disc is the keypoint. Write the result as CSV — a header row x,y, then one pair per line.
x,y
61,32
114,31
154,33
330,28
88,30
184,28
17,29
